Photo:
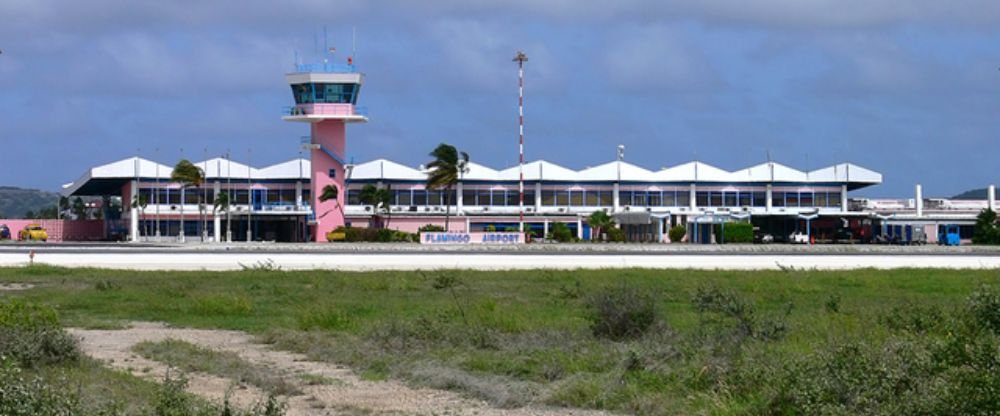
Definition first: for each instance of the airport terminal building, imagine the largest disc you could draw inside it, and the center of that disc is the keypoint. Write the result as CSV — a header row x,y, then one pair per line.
x,y
272,202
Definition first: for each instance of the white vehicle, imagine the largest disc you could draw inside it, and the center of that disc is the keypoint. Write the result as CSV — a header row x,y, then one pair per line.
x,y
798,237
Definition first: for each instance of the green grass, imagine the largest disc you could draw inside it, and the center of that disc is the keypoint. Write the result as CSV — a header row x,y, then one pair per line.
x,y
192,358
498,335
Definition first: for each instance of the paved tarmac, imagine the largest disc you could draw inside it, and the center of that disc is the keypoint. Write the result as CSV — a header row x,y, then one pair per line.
x,y
364,257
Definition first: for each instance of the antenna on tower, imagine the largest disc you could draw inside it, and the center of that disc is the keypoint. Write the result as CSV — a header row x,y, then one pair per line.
x,y
354,42
325,46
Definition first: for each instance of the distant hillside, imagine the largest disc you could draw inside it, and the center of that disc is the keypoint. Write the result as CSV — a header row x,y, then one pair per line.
x,y
15,202
972,194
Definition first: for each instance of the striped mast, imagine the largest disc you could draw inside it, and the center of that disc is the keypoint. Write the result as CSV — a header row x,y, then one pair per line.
x,y
520,58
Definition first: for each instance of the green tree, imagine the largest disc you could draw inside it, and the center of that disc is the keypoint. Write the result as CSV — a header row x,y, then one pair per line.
x,y
63,205
140,202
222,205
445,171
985,231
599,221
188,176
79,209
380,199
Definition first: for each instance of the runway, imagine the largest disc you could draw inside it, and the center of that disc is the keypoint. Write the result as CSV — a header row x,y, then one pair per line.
x,y
213,260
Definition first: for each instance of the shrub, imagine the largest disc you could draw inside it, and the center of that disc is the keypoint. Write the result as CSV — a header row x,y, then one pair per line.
x,y
983,307
620,313
431,228
615,234
20,396
734,232
510,229
383,235
31,335
560,232
677,233
491,228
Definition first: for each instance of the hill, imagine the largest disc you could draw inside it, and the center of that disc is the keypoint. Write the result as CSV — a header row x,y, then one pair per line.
x,y
16,202
972,194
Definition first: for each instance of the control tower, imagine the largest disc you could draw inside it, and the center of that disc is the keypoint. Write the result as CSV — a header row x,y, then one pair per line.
x,y
326,96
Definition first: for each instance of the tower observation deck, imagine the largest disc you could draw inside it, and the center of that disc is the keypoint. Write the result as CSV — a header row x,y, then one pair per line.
x,y
326,97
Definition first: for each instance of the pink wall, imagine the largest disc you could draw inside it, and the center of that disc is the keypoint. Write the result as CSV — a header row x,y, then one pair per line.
x,y
412,224
61,230
331,134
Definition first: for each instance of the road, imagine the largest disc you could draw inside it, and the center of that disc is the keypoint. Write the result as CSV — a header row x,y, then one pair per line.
x,y
165,259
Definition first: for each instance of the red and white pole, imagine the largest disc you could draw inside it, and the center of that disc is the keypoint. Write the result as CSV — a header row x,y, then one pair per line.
x,y
520,58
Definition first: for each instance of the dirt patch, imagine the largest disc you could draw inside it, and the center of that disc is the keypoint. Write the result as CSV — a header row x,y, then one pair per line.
x,y
9,287
340,389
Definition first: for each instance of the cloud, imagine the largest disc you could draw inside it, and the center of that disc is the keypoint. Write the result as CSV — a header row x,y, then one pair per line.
x,y
655,58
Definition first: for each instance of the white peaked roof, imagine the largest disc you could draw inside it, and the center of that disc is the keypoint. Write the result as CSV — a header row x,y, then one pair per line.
x,y
479,172
386,169
292,169
130,168
695,171
610,171
845,172
222,168
110,178
539,170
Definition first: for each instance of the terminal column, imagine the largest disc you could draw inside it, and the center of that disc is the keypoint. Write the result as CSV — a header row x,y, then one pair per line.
x,y
133,212
217,220
767,198
843,198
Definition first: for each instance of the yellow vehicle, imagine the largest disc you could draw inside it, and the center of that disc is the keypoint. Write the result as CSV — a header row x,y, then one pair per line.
x,y
33,232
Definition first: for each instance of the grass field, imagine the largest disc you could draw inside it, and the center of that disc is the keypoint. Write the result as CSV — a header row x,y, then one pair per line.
x,y
785,342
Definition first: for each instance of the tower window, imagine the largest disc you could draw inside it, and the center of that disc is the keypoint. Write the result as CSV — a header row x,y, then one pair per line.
x,y
332,173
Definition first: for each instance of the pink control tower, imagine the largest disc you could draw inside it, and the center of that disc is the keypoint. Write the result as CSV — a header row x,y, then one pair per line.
x,y
325,97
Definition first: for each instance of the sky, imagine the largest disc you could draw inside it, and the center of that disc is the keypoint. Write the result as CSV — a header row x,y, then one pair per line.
x,y
908,88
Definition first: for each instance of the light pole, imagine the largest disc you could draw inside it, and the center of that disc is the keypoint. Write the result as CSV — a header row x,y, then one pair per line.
x,y
249,199
520,58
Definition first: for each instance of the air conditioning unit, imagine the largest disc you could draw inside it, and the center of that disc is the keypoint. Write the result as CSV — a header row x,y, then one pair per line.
x,y
562,209
529,209
746,209
427,209
368,208
486,209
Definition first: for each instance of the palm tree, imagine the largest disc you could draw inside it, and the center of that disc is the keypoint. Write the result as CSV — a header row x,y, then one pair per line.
x,y
139,201
222,204
63,206
445,169
189,176
599,221
379,199
329,192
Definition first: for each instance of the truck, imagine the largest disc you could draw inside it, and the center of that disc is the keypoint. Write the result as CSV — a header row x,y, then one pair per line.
x,y
948,235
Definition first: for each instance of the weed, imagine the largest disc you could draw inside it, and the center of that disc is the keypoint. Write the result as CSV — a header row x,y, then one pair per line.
x,y
192,358
620,313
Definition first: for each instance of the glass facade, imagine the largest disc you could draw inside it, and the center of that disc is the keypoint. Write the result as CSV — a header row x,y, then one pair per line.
x,y
320,93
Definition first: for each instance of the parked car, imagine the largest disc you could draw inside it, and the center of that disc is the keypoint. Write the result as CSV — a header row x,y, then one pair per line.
x,y
798,237
4,232
33,232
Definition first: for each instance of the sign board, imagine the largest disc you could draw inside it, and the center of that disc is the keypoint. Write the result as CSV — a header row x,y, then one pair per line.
x,y
464,238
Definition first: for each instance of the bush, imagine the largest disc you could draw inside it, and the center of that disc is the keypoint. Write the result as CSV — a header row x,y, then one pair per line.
x,y
560,232
431,228
621,313
677,233
20,396
615,234
30,335
734,232
491,228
